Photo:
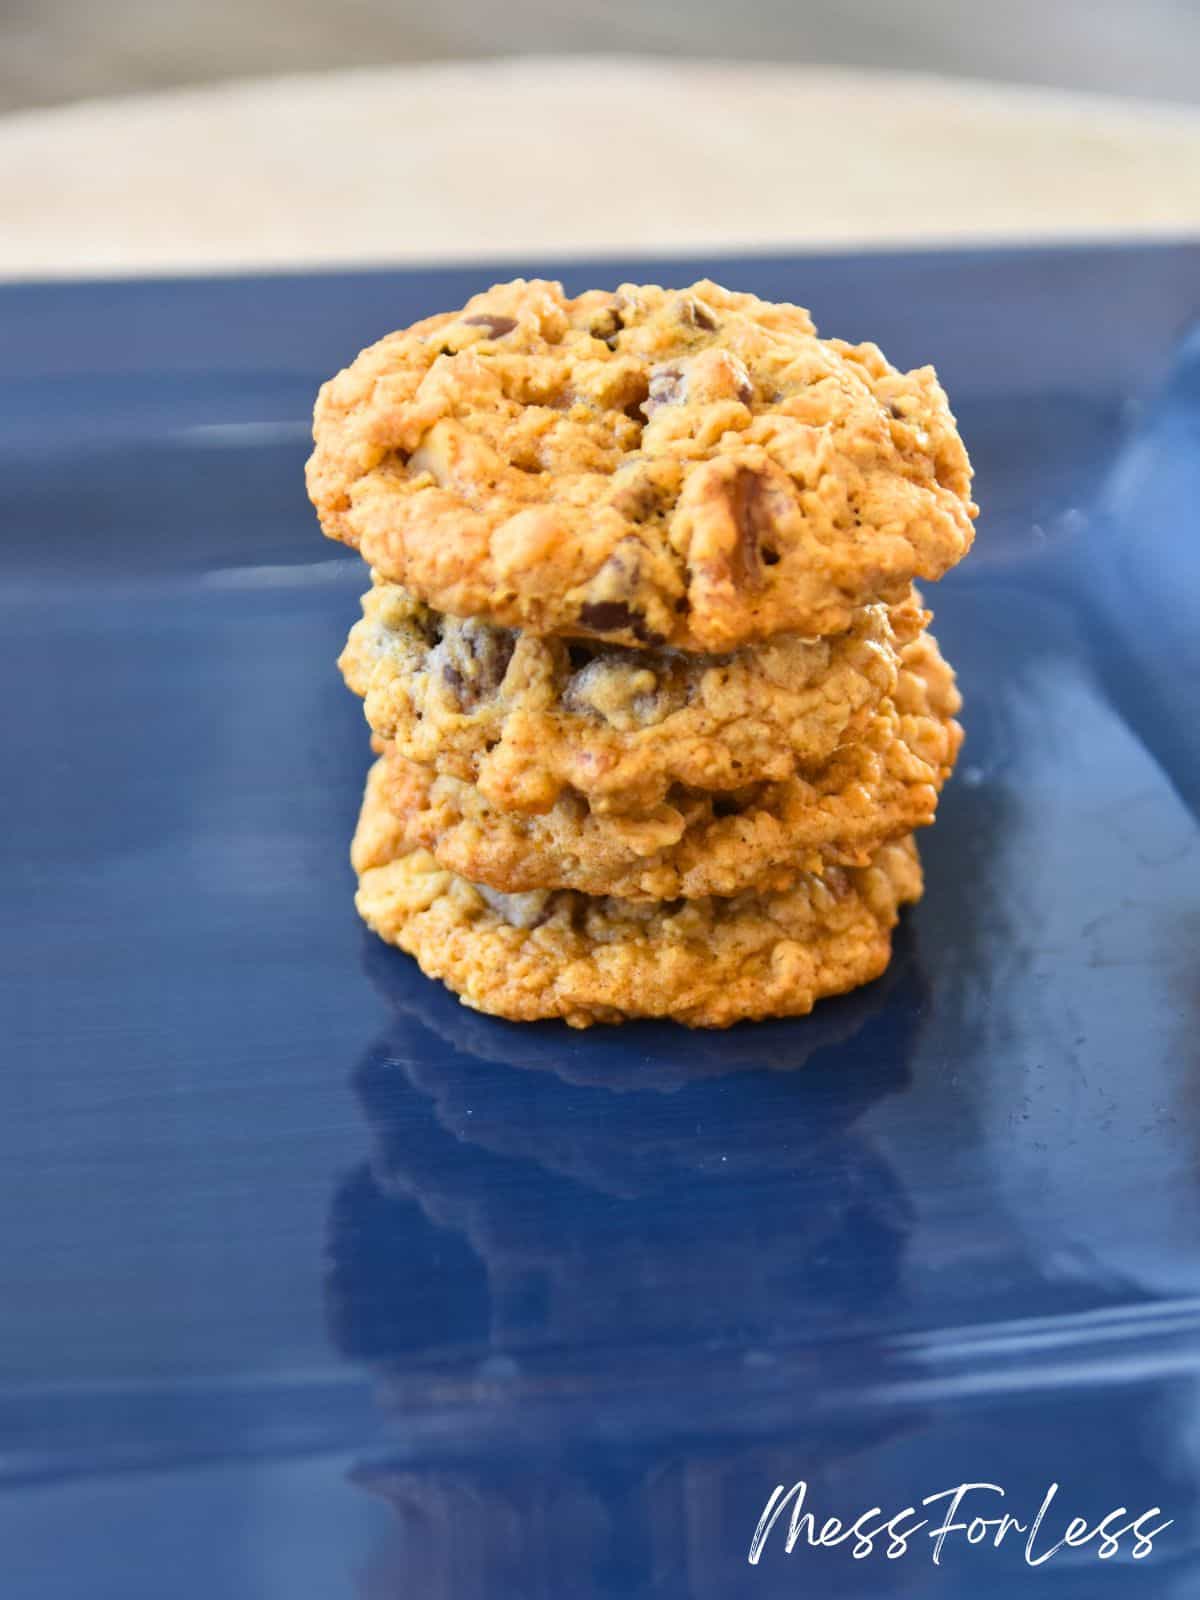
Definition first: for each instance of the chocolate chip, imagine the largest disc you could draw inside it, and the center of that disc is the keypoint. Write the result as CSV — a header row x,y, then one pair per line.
x,y
614,616
749,501
615,585
473,660
668,387
496,326
608,616
695,314
606,325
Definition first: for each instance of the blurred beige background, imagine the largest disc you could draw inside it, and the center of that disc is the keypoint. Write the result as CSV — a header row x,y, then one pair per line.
x,y
53,51
144,136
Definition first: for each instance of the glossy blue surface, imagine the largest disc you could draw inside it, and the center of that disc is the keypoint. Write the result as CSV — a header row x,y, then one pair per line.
x,y
314,1283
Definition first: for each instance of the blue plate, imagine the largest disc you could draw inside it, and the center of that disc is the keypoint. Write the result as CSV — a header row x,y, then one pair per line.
x,y
315,1283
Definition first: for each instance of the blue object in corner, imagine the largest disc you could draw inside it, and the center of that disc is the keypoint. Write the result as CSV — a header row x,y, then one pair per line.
x,y
315,1283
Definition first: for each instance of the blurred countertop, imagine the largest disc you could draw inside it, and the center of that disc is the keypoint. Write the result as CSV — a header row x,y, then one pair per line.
x,y
574,156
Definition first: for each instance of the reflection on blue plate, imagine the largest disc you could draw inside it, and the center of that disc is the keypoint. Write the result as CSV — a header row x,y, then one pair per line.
x,y
482,1146
287,1224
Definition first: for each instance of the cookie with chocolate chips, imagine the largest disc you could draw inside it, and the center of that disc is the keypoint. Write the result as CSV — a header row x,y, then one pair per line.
x,y
529,720
555,953
691,469
880,786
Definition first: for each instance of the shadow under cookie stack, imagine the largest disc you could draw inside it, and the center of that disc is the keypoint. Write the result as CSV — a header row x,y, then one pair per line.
x,y
655,705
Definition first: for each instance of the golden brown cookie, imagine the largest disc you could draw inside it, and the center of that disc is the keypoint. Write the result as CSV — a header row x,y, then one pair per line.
x,y
883,785
525,719
691,468
708,962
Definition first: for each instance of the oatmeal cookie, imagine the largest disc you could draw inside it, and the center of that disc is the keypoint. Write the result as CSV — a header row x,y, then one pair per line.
x,y
556,953
691,468
879,787
525,718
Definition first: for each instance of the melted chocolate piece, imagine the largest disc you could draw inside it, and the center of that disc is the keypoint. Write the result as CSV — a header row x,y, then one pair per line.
x,y
668,387
475,659
609,616
695,314
496,326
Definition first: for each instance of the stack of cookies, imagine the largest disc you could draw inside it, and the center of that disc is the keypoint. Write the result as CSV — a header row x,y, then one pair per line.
x,y
654,701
